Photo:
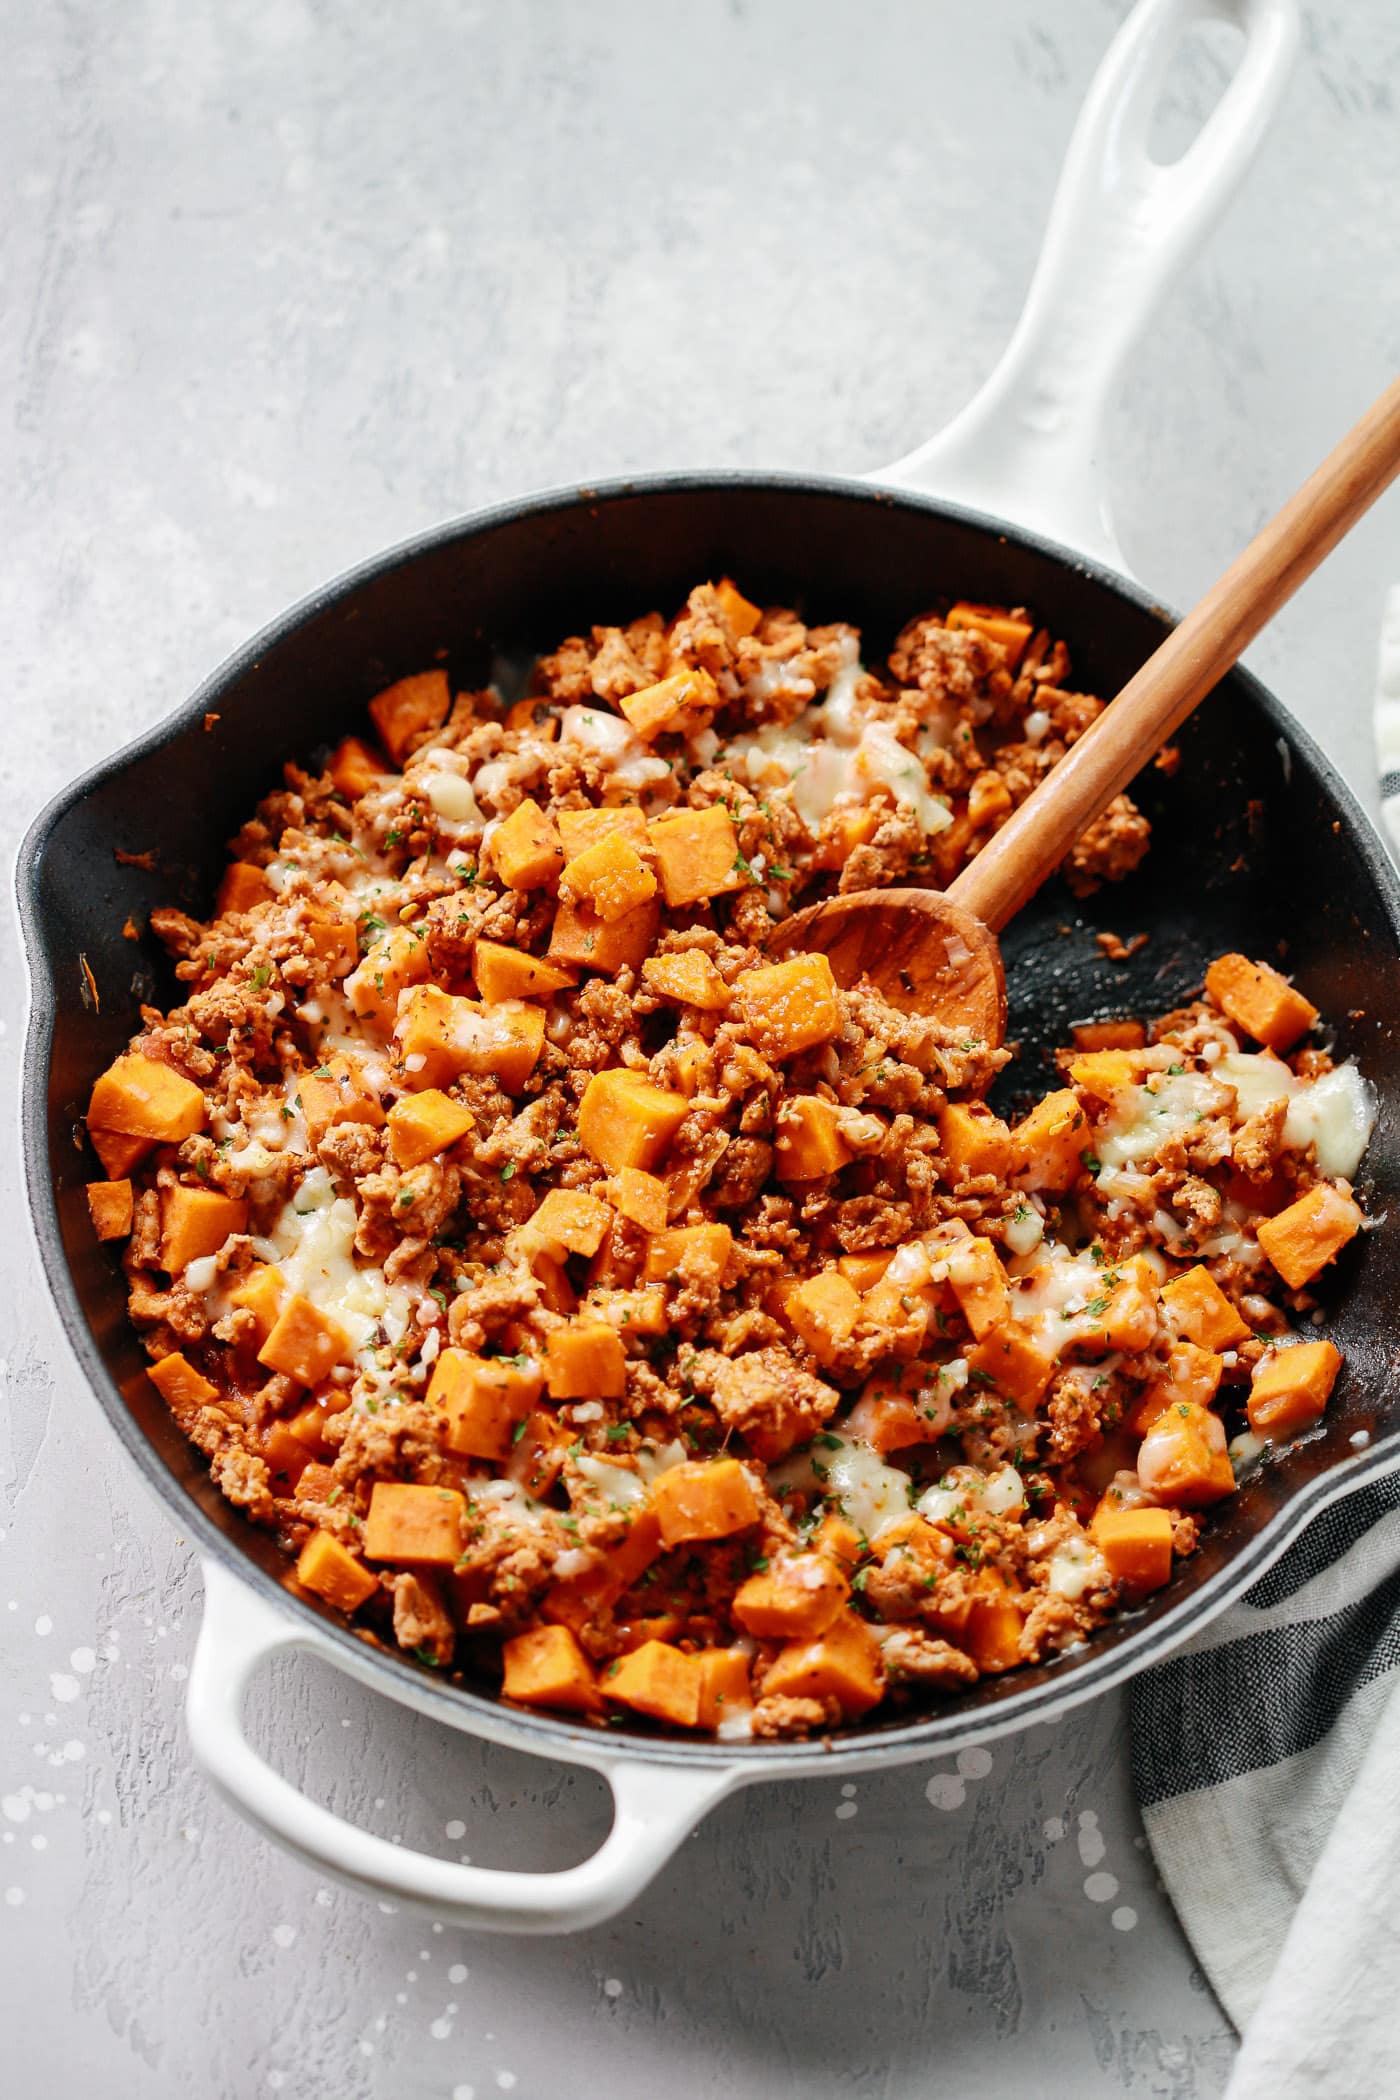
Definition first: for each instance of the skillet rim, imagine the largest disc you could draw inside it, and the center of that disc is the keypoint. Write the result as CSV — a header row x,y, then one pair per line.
x,y
1077,1676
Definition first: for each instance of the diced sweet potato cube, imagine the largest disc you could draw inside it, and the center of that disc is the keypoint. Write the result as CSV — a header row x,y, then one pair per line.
x,y
866,1270
674,703
577,1598
794,1598
625,1121
1009,1360
243,886
657,1680
693,1066
306,1344
703,1499
117,1152
326,1567
355,767
1200,1312
1102,1073
610,877
1046,1145
286,1458
1182,1460
1311,1232
842,1663
398,959
526,850
988,799
823,1310
194,1222
839,1540
697,851
335,945
556,1292
484,1400
533,715
901,1404
317,1482
980,1285
992,1633
417,1526
630,1312
807,1139
742,614
337,1092
689,977
843,829
422,1125
409,710
725,1685
1010,634
581,828
143,1099
1291,1388
180,1386
1192,1374
585,1361
111,1205
1264,1004
1137,1545
639,1197
973,1141
1124,1315
441,1036
1108,1035
547,1667
509,973
261,1293
309,1422
689,1255
579,936
790,1006
570,1221
537,1452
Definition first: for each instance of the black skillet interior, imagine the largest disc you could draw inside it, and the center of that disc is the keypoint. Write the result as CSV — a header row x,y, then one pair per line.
x,y
1258,847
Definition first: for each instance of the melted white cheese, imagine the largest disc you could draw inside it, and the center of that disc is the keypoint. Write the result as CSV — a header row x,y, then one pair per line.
x,y
1144,1121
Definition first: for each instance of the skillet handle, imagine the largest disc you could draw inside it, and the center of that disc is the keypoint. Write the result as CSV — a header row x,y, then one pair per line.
x,y
655,1805
1121,224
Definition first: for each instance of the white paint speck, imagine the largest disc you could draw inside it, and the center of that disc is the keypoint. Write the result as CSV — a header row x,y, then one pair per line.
x,y
457,1973
15,1807
974,1764
63,1687
464,2092
844,1811
71,1752
276,2080
612,1987
179,1671
83,1660
1091,1843
505,2080
455,1829
39,1842
1124,1918
945,1790
104,1816
283,1935
1053,1829
323,1897
440,2030
366,2048
849,1790
1101,1888
43,1625
14,1897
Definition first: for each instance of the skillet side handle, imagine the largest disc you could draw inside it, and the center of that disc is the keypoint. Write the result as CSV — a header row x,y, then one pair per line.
x,y
1121,225
655,1805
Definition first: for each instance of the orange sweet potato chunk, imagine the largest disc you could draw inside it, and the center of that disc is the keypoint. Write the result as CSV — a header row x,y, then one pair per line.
x,y
1264,1003
1182,1460
397,959
973,1141
703,1499
790,1006
526,849
337,1092
243,887
1109,1035
333,1573
306,1344
657,1680
581,828
638,1196
1301,1240
674,703
111,1205
1192,1374
980,1285
483,1399
866,1270
414,1525
697,851
842,1663
794,1598
1291,1388
992,1633
582,938
823,1310
335,945
689,1255
689,977
610,877
1046,1145
424,1124
1137,1545
585,1361
741,612
409,710
180,1386
262,1293
625,1121
355,767
1102,1073
843,829
570,1221
140,1098
547,1667
509,973
726,1688
117,1152
1200,1312
807,1140
195,1222
440,1036
1009,1360
575,1599
537,1452
1005,629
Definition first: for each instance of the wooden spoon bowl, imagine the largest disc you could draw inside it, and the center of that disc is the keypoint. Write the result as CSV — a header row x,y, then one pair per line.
x,y
922,952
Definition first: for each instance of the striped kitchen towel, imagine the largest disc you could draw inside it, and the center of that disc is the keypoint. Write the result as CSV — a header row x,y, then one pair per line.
x,y
1266,1756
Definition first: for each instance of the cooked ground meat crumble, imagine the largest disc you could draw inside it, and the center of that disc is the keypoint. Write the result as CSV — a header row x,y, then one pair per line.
x,y
601,1308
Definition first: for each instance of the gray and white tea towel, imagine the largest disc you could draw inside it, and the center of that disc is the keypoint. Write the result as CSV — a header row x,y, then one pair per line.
x,y
1266,1756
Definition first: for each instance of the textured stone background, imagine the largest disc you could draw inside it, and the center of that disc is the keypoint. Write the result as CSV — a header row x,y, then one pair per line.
x,y
280,282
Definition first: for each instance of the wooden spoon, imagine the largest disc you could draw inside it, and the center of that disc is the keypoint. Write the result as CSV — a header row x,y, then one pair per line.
x,y
928,952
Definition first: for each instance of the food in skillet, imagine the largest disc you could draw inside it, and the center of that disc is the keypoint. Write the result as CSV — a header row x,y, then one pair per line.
x,y
661,1329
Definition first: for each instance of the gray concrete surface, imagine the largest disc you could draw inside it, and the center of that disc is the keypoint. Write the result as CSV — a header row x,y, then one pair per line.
x,y
284,280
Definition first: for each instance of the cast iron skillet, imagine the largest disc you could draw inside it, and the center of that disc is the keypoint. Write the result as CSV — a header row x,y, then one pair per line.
x,y
1258,846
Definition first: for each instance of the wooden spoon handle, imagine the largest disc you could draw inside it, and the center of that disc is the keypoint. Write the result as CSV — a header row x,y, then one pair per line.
x,y
1193,658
